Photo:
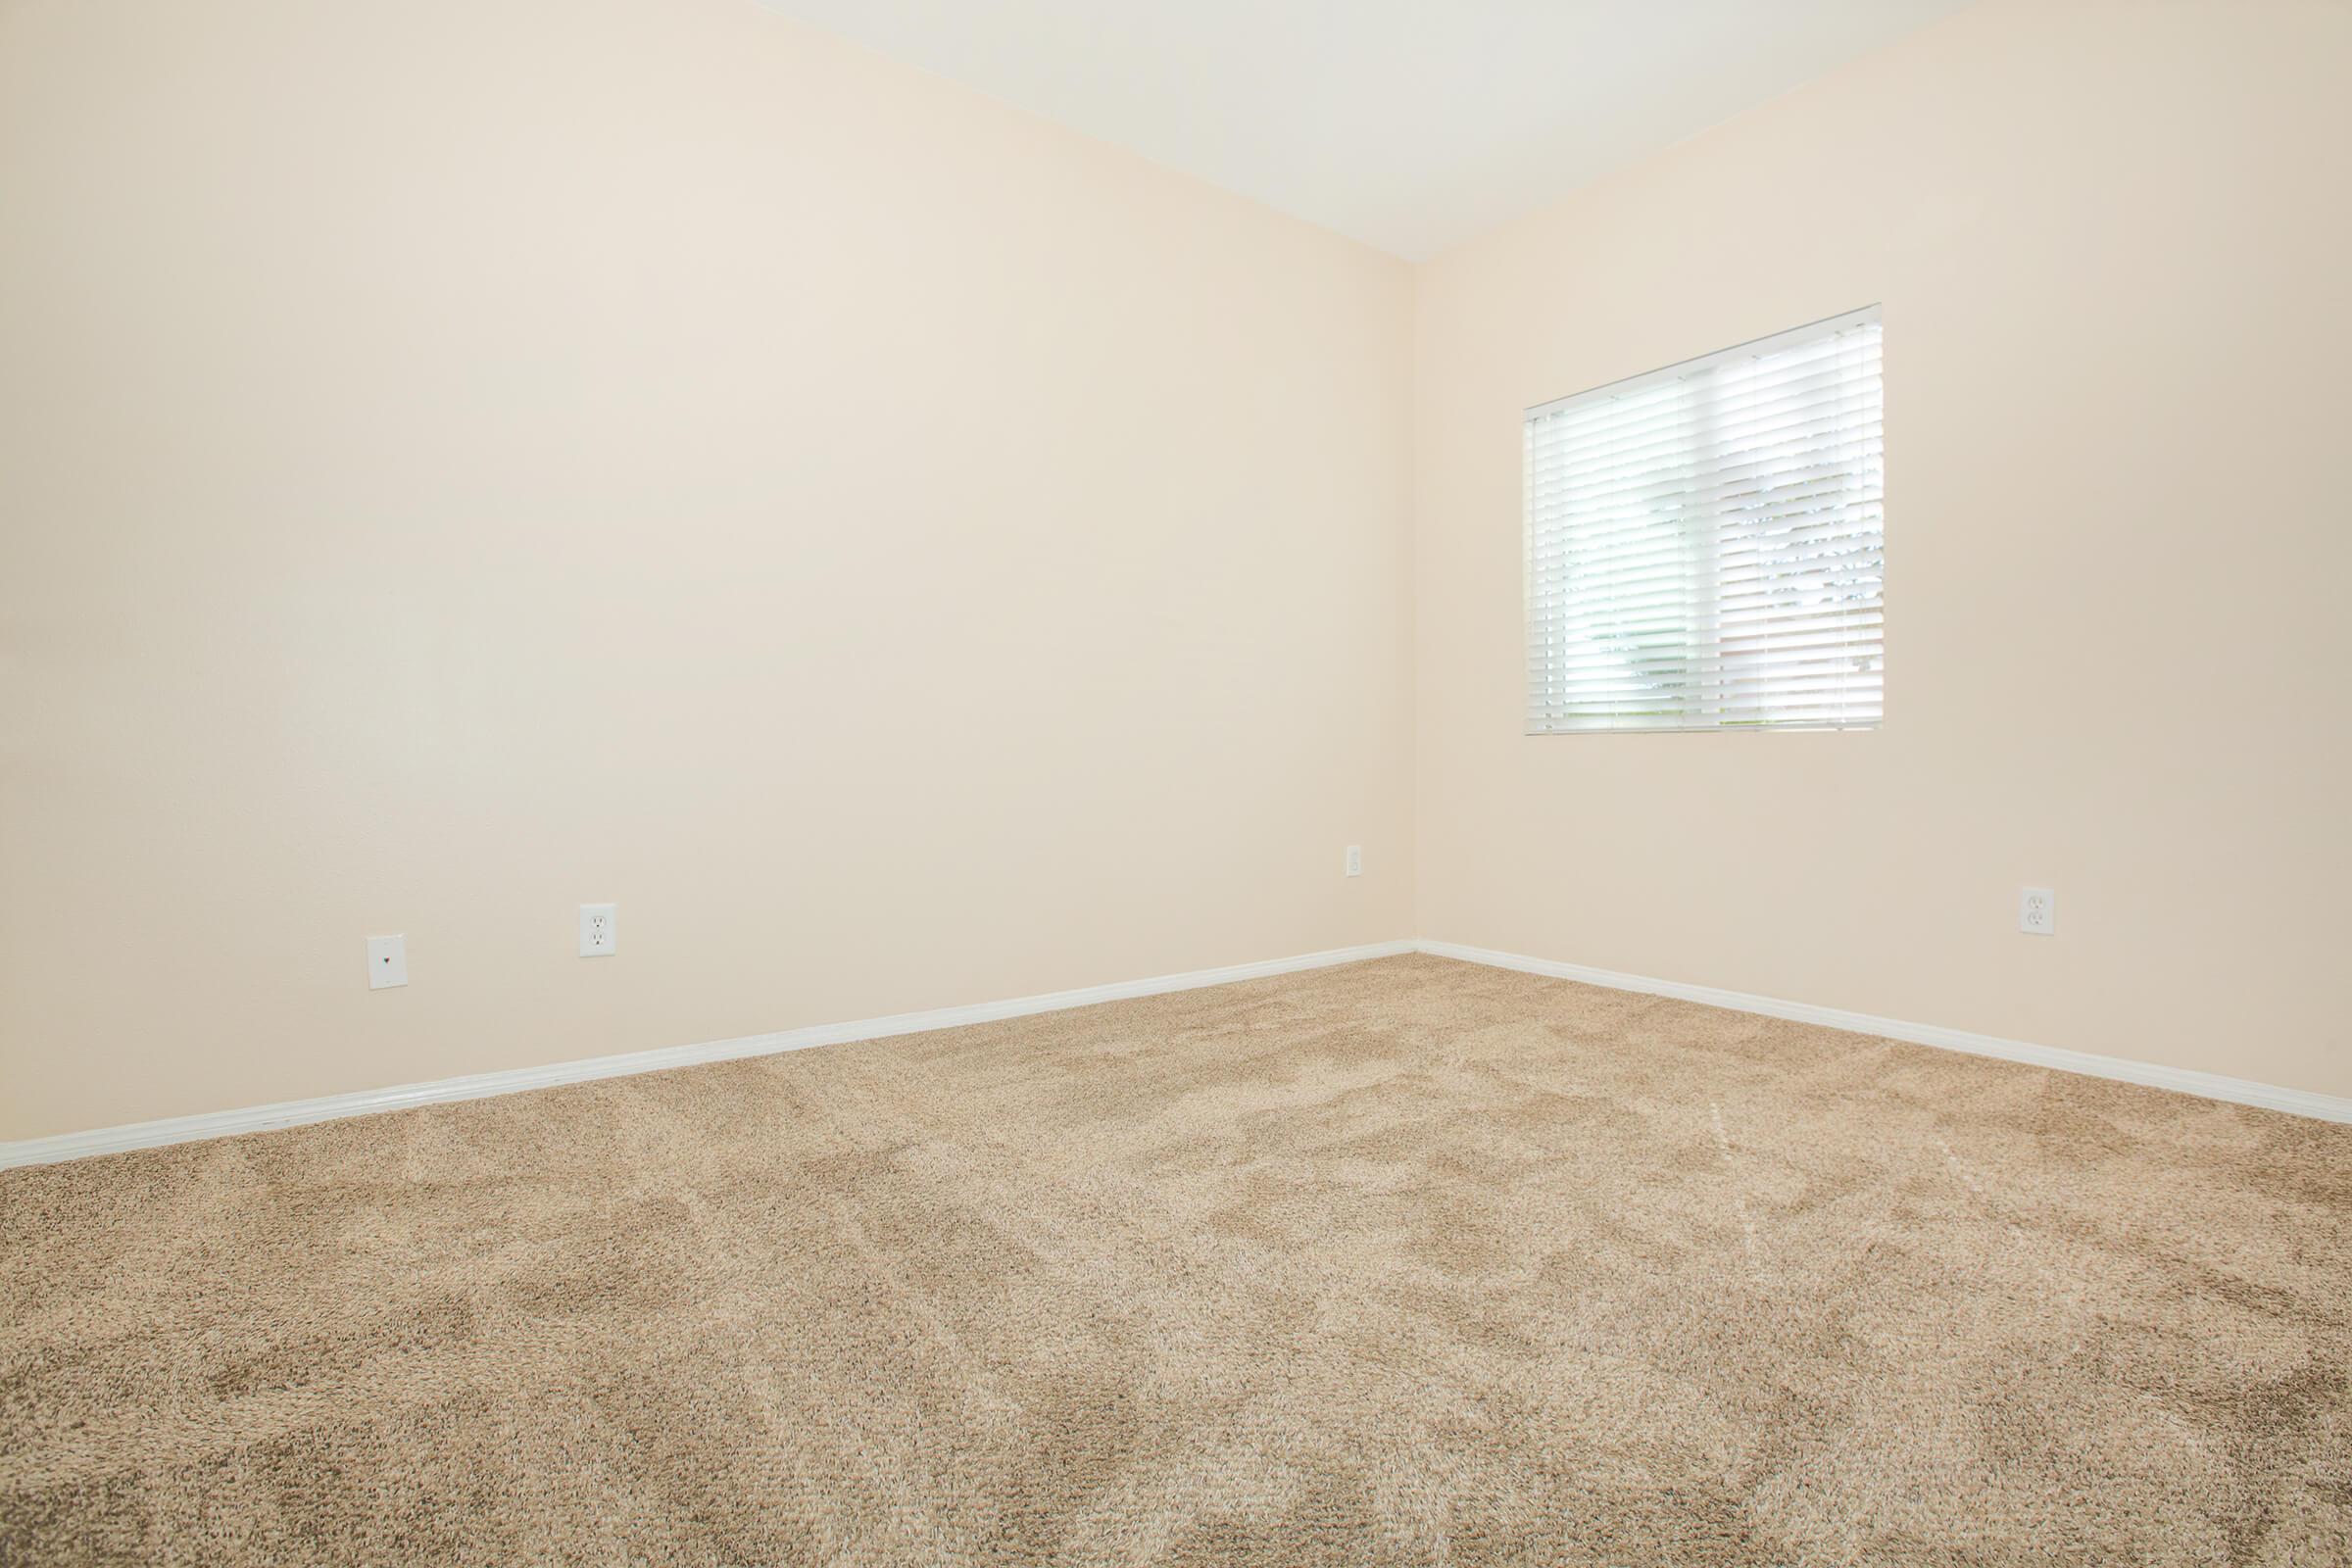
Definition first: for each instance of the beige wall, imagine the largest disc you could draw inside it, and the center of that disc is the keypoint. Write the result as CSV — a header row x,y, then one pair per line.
x,y
459,459
2114,247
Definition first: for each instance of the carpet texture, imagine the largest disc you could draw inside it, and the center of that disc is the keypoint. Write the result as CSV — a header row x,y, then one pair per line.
x,y
1406,1263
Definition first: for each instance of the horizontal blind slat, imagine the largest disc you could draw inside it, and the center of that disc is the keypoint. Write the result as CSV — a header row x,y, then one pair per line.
x,y
1639,420
1831,500
1760,426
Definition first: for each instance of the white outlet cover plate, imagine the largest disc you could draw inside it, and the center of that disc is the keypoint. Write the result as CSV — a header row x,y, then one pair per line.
x,y
600,930
2037,912
387,961
1355,860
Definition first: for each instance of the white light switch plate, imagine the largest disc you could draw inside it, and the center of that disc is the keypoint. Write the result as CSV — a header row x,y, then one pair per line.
x,y
387,961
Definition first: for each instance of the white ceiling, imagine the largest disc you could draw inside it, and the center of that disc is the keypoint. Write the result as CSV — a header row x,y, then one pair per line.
x,y
1407,124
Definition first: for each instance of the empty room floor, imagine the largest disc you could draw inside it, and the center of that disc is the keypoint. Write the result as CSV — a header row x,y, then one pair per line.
x,y
1408,1261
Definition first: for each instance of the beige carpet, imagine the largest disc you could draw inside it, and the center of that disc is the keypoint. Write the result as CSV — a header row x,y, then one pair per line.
x,y
1405,1263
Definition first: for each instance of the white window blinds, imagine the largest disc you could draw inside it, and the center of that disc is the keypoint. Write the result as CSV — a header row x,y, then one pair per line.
x,y
1705,543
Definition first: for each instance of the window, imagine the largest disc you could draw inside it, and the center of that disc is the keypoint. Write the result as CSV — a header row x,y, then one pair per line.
x,y
1706,544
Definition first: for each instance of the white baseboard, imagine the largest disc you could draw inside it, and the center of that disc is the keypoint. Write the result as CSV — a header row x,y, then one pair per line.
x,y
295,1113
2206,1084
367,1102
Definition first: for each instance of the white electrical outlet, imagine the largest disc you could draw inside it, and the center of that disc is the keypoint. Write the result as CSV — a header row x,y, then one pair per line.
x,y
387,961
2037,912
1355,860
600,930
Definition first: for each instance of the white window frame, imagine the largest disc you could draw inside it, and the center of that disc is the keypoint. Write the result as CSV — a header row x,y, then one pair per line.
x,y
1695,694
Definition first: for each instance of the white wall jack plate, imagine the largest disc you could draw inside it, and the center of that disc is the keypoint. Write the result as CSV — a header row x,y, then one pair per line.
x,y
1355,860
2037,912
600,930
387,961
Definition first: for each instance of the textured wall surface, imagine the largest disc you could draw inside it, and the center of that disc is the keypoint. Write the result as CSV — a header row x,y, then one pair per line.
x,y
459,462
2110,242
